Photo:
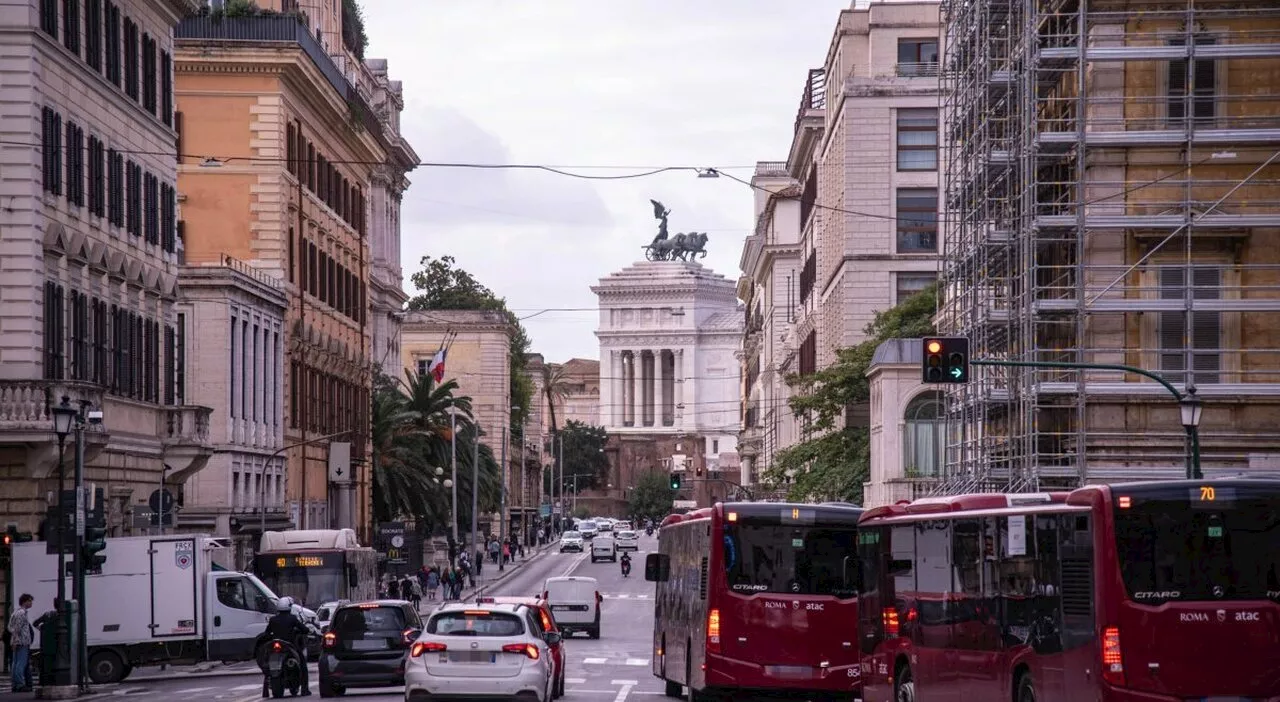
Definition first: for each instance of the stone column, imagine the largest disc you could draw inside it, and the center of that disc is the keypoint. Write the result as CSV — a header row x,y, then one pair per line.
x,y
628,378
682,391
658,395
637,387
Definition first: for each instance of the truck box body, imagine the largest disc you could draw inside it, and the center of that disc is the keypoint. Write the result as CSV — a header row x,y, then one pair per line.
x,y
157,599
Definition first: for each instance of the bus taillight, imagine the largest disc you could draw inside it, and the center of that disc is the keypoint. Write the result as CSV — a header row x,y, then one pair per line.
x,y
890,617
713,631
1112,660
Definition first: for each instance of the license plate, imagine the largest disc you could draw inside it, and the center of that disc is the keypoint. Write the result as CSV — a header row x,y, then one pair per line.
x,y
470,657
789,672
368,645
568,608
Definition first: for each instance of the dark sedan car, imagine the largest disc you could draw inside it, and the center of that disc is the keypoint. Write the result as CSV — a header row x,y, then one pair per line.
x,y
366,645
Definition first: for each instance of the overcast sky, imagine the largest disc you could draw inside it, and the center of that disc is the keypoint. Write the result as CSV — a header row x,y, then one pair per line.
x,y
578,83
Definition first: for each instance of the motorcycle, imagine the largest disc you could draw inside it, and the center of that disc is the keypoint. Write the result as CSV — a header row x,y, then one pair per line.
x,y
626,567
648,531
281,669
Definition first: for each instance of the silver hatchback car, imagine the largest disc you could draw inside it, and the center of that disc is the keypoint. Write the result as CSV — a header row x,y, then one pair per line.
x,y
487,650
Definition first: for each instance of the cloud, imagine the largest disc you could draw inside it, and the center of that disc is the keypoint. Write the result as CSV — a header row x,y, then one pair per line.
x,y
447,196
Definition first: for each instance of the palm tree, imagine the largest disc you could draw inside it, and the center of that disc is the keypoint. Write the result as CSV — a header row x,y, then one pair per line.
x,y
403,483
555,386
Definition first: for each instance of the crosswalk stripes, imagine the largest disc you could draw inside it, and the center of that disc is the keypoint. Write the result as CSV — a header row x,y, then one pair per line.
x,y
626,596
630,662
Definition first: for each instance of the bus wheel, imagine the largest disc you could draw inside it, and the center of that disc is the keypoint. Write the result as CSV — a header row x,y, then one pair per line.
x,y
1026,692
674,690
904,686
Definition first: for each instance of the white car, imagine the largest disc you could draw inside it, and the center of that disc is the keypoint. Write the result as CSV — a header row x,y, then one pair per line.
x,y
623,526
627,540
588,529
606,525
480,650
571,541
603,548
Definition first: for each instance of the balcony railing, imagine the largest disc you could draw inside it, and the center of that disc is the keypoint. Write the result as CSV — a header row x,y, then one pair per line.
x,y
187,424
283,29
26,405
814,96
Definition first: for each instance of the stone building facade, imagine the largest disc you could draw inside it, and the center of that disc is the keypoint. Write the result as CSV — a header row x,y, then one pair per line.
x,y
235,364
292,145
90,254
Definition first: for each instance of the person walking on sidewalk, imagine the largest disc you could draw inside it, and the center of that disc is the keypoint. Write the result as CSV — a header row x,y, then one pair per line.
x,y
20,637
479,561
506,553
494,549
433,583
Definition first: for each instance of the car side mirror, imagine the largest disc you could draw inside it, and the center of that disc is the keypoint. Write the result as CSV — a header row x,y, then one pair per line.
x,y
657,567
553,638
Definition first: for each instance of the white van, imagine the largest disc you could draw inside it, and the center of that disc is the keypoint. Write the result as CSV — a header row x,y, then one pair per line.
x,y
575,604
604,548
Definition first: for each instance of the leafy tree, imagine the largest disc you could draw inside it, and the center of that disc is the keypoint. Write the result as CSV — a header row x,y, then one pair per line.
x,y
583,456
651,497
354,36
832,463
555,385
443,286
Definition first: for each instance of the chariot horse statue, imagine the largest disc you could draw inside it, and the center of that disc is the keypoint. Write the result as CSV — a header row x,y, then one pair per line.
x,y
681,247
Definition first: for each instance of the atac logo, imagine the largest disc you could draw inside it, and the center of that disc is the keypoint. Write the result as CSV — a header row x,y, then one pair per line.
x,y
1222,615
795,604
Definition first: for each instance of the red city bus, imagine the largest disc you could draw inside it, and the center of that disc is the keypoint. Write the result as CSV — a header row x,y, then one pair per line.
x,y
1161,591
757,596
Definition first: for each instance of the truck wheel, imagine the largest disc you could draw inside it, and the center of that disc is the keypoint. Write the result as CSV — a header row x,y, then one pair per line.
x,y
106,667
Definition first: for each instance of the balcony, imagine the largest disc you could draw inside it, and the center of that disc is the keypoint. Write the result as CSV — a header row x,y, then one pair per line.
x,y
184,434
283,29
26,420
814,96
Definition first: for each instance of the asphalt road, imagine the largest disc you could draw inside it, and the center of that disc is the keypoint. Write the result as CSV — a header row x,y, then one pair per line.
x,y
614,668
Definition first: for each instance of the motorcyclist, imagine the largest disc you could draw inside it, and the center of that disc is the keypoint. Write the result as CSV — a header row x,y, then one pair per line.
x,y
626,564
286,626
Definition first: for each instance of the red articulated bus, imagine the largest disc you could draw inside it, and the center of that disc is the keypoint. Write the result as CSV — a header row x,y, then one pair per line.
x,y
1163,591
757,597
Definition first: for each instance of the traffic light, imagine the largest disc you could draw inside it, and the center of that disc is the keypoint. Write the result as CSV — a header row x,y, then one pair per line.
x,y
676,481
95,541
946,359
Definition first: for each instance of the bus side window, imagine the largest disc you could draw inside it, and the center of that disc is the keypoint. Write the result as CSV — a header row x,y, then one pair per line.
x,y
1046,627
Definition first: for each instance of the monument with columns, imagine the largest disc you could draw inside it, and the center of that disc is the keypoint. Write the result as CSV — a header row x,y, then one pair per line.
x,y
670,383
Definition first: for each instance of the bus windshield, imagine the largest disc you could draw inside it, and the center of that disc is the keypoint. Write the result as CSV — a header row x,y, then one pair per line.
x,y
800,560
1199,543
310,579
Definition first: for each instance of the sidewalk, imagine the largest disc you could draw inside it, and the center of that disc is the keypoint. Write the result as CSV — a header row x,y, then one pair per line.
x,y
489,577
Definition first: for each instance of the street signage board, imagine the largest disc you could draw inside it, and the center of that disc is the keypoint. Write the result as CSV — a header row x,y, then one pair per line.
x,y
340,462
684,504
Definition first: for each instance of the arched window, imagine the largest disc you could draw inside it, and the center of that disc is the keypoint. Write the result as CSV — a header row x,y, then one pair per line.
x,y
923,436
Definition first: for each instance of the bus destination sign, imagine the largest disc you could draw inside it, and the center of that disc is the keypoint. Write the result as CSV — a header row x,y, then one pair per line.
x,y
302,561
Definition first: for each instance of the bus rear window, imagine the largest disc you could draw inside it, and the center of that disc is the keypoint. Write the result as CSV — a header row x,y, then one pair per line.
x,y
1173,545
802,560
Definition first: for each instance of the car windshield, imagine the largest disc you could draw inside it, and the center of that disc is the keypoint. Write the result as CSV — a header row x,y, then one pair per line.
x,y
572,535
803,560
475,623
1204,543
587,526
626,535
353,622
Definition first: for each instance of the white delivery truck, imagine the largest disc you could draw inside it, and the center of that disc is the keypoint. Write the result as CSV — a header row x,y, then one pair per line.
x,y
158,600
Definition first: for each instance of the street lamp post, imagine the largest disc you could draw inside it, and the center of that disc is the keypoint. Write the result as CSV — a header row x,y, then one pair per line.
x,y
262,492
502,508
475,487
63,672
453,459
1191,408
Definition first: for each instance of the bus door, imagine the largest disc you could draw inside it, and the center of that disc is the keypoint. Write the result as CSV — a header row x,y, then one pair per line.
x,y
791,602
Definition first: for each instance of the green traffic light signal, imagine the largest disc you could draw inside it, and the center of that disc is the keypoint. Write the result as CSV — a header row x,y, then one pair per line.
x,y
676,481
95,542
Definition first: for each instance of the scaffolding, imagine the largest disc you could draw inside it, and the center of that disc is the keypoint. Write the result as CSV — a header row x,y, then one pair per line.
x,y
1110,192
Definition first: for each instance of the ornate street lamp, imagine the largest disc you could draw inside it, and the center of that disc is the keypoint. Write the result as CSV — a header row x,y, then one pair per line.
x,y
1191,408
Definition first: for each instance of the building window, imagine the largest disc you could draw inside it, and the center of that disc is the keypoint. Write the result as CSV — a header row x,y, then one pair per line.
x,y
918,57
100,345
93,34
79,336
255,359
275,376
909,284
54,330
130,58
148,73
111,38
97,176
49,17
51,150
133,198
245,344
917,220
75,164
150,208
166,88
1193,87
71,25
168,215
809,354
1203,341
918,139
234,382
180,362
923,437
115,188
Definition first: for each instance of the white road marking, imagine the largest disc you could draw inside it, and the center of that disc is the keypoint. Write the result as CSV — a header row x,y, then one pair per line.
x,y
637,661
624,690
192,690
624,682
574,681
128,691
246,688
595,661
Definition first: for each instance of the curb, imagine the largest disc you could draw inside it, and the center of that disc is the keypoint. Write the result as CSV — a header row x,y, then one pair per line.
x,y
217,669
